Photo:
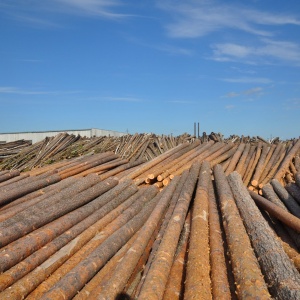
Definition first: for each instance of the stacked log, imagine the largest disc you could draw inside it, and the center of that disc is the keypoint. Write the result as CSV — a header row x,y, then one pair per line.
x,y
12,148
98,227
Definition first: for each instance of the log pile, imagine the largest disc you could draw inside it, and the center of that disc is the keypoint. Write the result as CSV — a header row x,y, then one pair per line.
x,y
108,225
12,148
64,146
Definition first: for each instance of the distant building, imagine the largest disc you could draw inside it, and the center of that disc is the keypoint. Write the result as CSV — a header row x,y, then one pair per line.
x,y
37,136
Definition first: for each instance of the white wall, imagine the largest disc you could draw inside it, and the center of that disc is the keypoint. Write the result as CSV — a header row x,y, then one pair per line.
x,y
40,135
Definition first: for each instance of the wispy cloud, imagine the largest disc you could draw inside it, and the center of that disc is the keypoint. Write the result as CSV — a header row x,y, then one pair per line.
x,y
181,102
256,91
104,8
167,48
199,18
122,99
267,51
230,107
174,50
232,95
18,91
260,80
41,13
292,104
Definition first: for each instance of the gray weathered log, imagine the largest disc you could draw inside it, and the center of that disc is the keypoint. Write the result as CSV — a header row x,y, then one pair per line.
x,y
280,273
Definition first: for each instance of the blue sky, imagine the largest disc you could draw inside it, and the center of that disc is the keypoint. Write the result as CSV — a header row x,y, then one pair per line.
x,y
151,66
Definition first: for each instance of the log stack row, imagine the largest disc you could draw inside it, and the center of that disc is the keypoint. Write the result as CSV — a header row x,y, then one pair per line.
x,y
98,226
12,148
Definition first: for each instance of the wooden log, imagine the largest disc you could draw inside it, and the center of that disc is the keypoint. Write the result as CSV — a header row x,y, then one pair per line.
x,y
275,150
103,167
293,190
121,168
284,238
163,228
247,161
161,171
126,267
155,161
241,163
219,278
68,286
96,161
47,211
225,148
260,165
246,270
297,163
186,162
286,198
280,273
13,194
197,284
129,209
297,179
277,212
273,169
33,198
293,168
35,259
157,277
227,155
235,158
9,175
269,193
103,276
199,158
14,179
175,285
254,164
38,281
286,161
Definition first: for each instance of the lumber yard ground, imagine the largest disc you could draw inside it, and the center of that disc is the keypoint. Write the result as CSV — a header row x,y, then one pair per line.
x,y
150,217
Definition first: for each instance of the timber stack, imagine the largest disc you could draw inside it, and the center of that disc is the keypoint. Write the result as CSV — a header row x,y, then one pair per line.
x,y
147,217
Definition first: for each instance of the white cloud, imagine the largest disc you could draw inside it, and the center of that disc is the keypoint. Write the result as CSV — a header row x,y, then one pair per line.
x,y
18,91
260,80
266,51
232,95
91,7
122,99
38,13
199,18
230,107
174,50
181,101
170,49
292,104
256,92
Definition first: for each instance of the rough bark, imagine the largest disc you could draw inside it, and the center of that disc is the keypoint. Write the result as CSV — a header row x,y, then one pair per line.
x,y
280,273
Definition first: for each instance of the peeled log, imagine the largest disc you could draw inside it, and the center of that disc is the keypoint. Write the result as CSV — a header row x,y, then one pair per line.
x,y
75,280
286,161
219,277
125,268
157,277
235,158
247,273
197,283
280,273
